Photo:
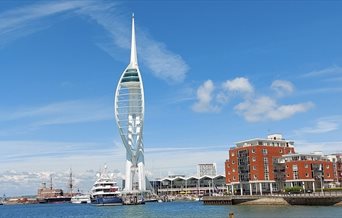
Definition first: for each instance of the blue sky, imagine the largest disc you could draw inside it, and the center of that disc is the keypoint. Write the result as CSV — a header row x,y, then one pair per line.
x,y
214,73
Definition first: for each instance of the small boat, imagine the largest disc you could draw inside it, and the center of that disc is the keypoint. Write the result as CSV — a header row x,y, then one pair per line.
x,y
133,198
105,191
80,199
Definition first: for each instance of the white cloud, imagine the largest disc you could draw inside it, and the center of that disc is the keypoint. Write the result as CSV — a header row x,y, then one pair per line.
x,y
163,63
204,98
328,147
265,108
239,84
282,87
253,108
329,71
86,159
45,157
23,120
158,165
322,91
24,21
322,125
19,182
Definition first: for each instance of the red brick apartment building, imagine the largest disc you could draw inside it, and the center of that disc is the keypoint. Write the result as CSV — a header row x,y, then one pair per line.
x,y
258,166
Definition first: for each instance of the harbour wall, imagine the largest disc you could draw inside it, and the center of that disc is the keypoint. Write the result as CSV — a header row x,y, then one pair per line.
x,y
273,200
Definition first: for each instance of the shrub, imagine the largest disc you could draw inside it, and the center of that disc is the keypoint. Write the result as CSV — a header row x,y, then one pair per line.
x,y
294,189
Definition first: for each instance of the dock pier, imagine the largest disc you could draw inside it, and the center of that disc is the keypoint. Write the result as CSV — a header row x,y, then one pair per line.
x,y
325,199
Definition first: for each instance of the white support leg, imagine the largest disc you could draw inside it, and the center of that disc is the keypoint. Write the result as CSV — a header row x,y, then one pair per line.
x,y
250,189
260,188
128,182
141,177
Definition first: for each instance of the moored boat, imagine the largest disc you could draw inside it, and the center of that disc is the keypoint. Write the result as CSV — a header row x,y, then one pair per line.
x,y
105,191
81,199
51,195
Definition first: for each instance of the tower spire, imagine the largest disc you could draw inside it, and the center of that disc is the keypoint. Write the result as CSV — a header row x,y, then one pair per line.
x,y
134,58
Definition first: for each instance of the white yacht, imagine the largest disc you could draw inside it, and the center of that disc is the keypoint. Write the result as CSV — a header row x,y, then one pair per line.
x,y
105,191
81,199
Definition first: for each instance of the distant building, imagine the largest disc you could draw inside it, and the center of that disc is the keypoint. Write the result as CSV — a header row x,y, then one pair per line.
x,y
193,185
206,169
203,184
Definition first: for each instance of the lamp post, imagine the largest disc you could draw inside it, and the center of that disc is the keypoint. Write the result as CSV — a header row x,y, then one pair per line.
x,y
321,175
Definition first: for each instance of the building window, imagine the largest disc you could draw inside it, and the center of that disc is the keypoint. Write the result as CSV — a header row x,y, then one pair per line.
x,y
253,159
327,166
233,177
328,174
306,165
287,166
233,154
264,151
281,151
254,167
255,177
306,175
233,170
253,150
294,167
267,176
288,175
295,171
228,172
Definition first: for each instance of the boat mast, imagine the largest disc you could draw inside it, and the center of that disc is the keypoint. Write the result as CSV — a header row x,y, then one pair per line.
x,y
70,182
50,181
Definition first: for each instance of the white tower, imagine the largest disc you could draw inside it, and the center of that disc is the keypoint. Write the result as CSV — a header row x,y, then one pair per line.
x,y
129,115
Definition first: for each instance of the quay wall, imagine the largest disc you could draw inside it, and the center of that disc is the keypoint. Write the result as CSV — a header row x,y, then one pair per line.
x,y
273,200
318,201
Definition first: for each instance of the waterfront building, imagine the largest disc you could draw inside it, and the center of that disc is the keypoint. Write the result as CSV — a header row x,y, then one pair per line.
x,y
339,169
250,164
337,163
306,170
206,169
258,166
192,185
129,115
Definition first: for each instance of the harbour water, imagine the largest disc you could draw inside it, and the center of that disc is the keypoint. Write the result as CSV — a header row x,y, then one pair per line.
x,y
169,209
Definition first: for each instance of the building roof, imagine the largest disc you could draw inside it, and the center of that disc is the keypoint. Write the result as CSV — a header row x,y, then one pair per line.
x,y
191,177
270,140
